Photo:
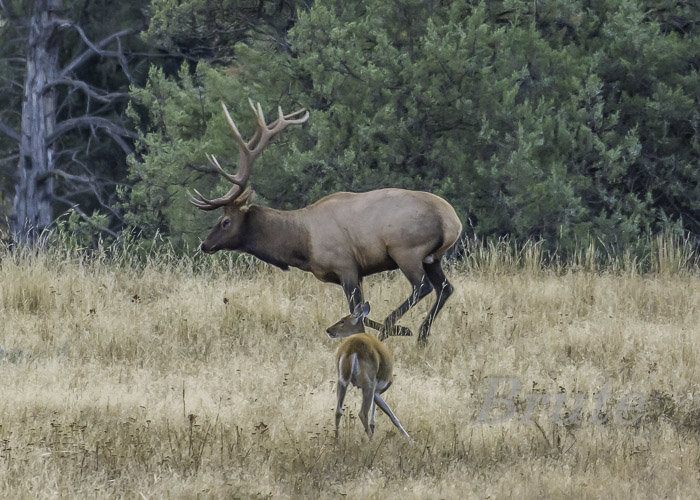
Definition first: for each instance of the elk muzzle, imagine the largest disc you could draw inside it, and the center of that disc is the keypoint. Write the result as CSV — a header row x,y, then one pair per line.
x,y
206,248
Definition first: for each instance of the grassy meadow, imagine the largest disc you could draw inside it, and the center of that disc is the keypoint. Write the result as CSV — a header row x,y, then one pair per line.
x,y
205,377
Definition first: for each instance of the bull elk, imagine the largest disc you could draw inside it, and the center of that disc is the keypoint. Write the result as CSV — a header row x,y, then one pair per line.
x,y
342,237
367,364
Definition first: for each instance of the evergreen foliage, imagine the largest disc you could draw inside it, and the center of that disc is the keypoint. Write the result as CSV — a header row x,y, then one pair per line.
x,y
552,120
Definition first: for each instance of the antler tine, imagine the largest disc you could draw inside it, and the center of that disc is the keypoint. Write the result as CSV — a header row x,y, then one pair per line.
x,y
244,157
204,203
259,117
285,119
212,159
247,152
199,203
268,131
252,106
236,133
294,113
258,127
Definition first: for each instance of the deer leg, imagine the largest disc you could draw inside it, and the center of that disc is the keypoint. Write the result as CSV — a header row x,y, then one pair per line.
x,y
385,408
367,399
443,290
374,402
340,389
371,416
385,388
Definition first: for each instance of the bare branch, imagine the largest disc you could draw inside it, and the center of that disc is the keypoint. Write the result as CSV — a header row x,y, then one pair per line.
x,y
15,83
122,60
9,132
90,121
93,48
57,172
203,170
94,186
5,11
11,158
89,90
120,141
79,211
15,59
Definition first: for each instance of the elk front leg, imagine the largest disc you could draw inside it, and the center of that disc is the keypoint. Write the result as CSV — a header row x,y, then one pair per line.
x,y
353,292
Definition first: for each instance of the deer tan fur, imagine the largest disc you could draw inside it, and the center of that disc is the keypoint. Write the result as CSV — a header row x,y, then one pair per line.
x,y
366,363
342,237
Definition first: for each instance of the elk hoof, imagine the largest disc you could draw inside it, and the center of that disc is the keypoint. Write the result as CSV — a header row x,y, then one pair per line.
x,y
423,336
402,331
394,331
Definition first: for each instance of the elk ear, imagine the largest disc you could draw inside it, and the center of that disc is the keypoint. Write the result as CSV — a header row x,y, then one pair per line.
x,y
244,200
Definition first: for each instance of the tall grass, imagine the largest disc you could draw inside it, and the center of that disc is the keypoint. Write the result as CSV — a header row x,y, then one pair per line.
x,y
666,253
169,376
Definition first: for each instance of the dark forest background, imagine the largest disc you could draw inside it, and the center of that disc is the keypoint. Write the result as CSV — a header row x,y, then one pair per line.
x,y
558,121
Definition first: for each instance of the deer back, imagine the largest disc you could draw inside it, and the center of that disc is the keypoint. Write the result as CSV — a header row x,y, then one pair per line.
x,y
373,357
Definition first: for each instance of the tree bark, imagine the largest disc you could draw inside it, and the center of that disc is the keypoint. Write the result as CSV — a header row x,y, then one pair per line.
x,y
32,203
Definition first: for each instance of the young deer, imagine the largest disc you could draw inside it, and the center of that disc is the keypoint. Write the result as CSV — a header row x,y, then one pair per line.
x,y
366,363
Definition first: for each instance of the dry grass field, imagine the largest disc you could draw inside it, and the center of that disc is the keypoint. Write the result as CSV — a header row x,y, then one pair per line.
x,y
184,379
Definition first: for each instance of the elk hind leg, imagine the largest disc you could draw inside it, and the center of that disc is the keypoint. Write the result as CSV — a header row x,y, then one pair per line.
x,y
421,287
443,290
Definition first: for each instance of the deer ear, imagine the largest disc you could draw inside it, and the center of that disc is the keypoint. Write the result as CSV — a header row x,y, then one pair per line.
x,y
361,310
365,309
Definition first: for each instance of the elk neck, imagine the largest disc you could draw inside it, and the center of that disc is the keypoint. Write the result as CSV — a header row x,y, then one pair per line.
x,y
277,237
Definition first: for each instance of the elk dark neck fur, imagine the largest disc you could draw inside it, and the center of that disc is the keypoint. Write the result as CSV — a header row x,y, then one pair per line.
x,y
276,237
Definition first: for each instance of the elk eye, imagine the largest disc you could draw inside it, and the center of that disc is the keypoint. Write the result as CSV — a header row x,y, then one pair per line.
x,y
225,222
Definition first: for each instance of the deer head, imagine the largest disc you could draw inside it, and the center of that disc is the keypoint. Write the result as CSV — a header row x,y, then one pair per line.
x,y
350,324
224,235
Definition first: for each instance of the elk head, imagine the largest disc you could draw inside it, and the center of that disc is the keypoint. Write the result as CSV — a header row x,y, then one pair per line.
x,y
226,234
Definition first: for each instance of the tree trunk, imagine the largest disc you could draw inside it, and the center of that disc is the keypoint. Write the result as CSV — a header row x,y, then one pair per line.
x,y
32,203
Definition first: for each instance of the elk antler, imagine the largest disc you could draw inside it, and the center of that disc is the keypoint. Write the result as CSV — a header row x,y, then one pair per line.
x,y
247,153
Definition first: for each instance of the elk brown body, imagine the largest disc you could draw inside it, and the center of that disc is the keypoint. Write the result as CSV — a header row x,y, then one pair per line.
x,y
342,237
